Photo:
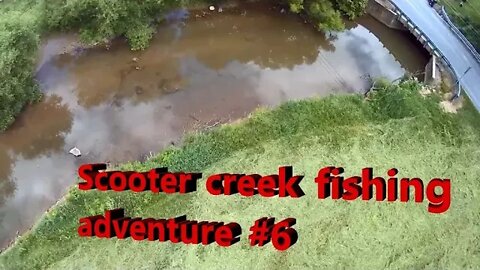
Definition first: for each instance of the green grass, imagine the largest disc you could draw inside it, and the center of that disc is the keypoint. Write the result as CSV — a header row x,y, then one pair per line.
x,y
414,136
466,17
470,9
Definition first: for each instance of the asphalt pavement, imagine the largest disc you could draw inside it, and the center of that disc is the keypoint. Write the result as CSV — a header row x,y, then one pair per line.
x,y
437,30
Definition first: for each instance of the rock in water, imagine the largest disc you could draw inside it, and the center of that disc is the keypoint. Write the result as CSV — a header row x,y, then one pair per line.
x,y
75,151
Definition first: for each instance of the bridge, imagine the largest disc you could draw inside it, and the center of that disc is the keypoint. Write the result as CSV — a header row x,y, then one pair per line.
x,y
441,39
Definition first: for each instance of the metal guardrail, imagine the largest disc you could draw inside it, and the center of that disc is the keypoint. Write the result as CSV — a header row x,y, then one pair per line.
x,y
436,51
457,31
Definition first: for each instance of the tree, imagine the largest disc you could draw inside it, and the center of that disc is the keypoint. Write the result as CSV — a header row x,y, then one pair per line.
x,y
321,13
18,45
326,14
351,8
325,17
100,20
296,6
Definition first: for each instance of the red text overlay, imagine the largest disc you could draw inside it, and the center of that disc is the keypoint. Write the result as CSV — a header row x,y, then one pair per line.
x,y
181,230
283,184
330,182
155,180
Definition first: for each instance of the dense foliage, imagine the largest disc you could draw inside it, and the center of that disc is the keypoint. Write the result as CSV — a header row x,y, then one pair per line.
x,y
99,20
352,8
326,15
18,44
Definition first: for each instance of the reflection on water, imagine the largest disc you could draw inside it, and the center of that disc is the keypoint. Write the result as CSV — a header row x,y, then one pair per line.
x,y
119,105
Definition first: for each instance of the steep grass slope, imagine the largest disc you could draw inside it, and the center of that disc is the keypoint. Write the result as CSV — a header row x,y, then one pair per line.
x,y
394,127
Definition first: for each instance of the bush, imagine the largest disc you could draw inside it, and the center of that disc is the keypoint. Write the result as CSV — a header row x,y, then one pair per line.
x,y
391,101
18,43
99,20
326,15
352,8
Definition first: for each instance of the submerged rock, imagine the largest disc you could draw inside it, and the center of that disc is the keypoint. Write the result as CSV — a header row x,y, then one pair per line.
x,y
75,151
138,90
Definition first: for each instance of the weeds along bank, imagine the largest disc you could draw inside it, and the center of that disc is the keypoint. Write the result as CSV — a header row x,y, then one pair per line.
x,y
393,127
22,23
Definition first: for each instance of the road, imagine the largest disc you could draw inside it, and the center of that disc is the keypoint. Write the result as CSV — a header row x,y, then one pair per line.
x,y
437,30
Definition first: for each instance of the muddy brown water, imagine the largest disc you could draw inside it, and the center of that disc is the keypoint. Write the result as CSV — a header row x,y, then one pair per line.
x,y
198,72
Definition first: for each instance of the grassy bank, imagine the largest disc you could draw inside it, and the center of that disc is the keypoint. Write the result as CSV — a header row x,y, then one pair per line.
x,y
466,18
394,127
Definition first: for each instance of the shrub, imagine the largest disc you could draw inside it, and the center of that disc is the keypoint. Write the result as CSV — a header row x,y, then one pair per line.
x,y
18,43
326,15
352,8
99,20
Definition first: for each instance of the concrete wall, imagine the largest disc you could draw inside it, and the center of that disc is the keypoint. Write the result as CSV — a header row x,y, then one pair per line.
x,y
382,11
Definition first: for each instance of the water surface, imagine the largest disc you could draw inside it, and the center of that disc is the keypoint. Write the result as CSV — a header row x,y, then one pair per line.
x,y
116,105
